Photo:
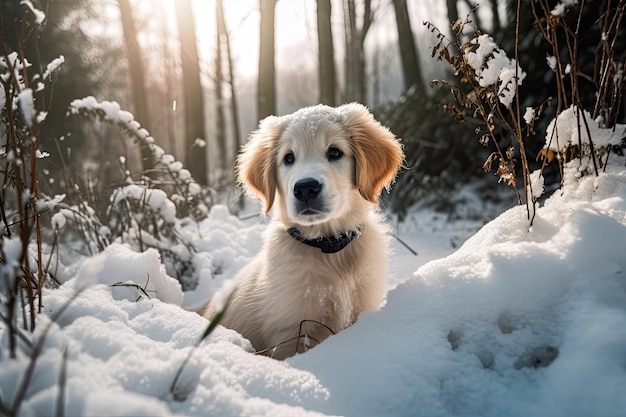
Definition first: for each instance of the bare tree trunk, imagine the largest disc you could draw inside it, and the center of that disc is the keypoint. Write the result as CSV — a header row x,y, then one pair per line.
x,y
170,69
136,70
234,104
349,20
266,94
496,17
326,53
219,97
355,82
453,11
196,158
411,69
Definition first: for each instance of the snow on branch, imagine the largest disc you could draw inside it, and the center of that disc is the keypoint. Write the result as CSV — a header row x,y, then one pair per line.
x,y
53,66
111,112
569,129
39,15
494,68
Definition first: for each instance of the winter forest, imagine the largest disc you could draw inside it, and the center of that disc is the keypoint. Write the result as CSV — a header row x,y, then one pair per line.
x,y
120,213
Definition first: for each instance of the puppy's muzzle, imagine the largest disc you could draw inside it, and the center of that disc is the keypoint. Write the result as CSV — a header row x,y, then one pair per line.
x,y
307,190
308,195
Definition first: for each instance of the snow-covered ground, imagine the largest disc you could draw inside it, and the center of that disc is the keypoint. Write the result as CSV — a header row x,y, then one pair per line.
x,y
518,321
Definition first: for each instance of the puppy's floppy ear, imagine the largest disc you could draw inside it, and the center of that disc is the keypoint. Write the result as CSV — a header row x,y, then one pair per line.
x,y
256,164
377,152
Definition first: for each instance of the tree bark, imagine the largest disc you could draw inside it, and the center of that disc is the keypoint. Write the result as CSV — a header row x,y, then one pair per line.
x,y
453,11
136,71
220,130
496,17
266,94
411,68
196,158
224,46
354,34
169,64
326,55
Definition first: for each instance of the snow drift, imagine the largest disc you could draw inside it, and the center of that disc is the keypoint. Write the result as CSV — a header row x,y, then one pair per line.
x,y
519,321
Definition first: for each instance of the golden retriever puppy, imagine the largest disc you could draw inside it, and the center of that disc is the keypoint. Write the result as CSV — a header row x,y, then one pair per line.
x,y
324,260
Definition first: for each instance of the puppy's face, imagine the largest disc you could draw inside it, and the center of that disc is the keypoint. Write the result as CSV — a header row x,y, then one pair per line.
x,y
315,170
319,163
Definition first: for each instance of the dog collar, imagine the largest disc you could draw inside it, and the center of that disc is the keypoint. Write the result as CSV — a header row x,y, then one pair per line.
x,y
327,244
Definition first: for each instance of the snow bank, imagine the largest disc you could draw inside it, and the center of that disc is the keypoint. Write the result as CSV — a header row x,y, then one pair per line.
x,y
517,322
123,356
133,275
224,245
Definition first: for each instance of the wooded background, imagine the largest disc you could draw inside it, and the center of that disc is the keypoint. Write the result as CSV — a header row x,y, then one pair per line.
x,y
182,83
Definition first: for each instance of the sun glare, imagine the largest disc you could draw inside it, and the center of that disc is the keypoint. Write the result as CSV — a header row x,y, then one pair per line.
x,y
242,23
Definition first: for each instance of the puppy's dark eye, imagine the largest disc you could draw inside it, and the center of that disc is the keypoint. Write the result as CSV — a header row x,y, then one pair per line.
x,y
289,158
334,154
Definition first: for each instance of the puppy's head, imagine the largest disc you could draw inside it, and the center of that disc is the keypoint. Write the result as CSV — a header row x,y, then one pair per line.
x,y
319,163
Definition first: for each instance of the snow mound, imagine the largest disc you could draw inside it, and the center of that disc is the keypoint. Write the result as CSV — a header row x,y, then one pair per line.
x,y
224,246
133,274
517,322
123,356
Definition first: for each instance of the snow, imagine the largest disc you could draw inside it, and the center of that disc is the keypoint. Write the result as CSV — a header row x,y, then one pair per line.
x,y
551,60
520,320
58,220
569,129
536,184
494,68
39,15
117,266
27,106
153,199
53,66
529,115
562,6
467,334
12,251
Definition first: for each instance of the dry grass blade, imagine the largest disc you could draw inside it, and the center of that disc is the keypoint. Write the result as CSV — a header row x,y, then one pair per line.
x,y
300,336
60,408
28,374
181,396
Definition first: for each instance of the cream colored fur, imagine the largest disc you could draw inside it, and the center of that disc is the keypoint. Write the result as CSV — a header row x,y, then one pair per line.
x,y
289,282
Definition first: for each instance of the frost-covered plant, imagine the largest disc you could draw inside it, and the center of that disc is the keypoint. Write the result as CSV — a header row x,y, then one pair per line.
x,y
140,212
490,91
575,136
80,222
492,96
21,205
145,213
186,193
146,218
586,135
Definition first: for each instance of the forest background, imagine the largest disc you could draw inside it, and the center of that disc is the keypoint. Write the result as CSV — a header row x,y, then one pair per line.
x,y
199,75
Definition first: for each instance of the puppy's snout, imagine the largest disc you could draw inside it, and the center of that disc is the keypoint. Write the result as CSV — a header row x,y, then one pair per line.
x,y
307,189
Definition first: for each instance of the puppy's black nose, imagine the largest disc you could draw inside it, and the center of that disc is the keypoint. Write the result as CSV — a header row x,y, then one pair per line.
x,y
307,189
